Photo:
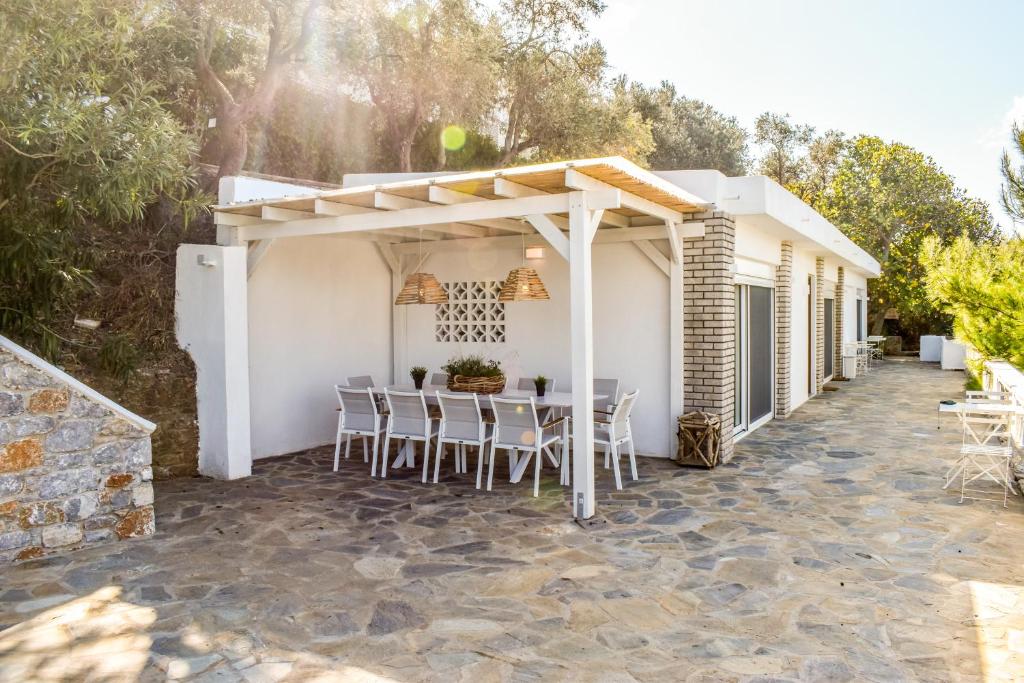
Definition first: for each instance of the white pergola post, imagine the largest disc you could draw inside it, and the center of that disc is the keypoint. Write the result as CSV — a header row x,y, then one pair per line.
x,y
582,350
675,349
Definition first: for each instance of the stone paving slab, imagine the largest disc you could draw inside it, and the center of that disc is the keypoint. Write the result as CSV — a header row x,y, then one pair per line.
x,y
825,551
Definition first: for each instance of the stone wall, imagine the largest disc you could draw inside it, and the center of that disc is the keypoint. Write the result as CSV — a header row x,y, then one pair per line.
x,y
709,322
783,331
75,468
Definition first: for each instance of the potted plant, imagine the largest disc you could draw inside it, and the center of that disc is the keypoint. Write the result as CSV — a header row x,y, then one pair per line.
x,y
541,383
474,374
418,374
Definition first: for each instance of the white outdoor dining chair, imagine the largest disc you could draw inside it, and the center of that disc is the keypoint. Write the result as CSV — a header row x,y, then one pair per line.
x,y
439,379
462,425
517,427
408,421
986,450
357,416
615,431
609,388
526,384
361,382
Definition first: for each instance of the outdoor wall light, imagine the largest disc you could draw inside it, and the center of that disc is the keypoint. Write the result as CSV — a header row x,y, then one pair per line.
x,y
205,262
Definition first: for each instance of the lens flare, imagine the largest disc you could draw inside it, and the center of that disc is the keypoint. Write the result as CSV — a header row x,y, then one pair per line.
x,y
453,138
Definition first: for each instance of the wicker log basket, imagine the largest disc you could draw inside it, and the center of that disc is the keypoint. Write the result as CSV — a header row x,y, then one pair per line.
x,y
700,436
477,385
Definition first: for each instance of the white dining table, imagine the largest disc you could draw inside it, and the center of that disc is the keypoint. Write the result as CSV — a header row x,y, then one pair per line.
x,y
551,400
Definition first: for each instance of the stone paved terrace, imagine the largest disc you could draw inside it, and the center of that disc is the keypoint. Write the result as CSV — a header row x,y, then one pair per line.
x,y
825,551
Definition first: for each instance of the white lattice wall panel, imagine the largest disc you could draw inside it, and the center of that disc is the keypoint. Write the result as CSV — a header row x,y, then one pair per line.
x,y
472,314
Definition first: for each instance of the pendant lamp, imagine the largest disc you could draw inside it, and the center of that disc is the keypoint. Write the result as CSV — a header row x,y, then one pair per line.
x,y
421,288
523,284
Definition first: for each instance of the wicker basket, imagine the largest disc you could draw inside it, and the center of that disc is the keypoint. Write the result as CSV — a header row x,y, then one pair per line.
x,y
700,439
477,385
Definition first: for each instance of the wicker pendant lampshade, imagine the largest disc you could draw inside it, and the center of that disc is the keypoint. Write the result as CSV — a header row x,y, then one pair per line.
x,y
523,284
421,288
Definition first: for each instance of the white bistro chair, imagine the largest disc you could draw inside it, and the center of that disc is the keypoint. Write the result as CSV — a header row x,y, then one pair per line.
x,y
462,425
986,450
614,431
357,416
517,428
408,421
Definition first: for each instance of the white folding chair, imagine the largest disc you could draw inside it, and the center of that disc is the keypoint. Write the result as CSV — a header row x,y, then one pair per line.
x,y
518,428
357,416
462,425
982,396
439,379
614,431
408,421
986,450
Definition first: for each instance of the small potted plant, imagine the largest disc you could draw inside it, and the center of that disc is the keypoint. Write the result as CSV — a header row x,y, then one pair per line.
x,y
418,374
541,383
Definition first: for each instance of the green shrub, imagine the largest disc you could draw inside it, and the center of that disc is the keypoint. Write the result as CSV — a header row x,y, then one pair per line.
x,y
472,366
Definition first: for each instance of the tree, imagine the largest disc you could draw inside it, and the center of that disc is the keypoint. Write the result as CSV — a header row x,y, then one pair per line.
x,y
254,93
688,133
982,287
820,166
783,146
887,197
419,62
83,141
1013,189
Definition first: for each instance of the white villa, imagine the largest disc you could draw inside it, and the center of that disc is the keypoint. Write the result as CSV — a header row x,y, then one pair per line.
x,y
705,292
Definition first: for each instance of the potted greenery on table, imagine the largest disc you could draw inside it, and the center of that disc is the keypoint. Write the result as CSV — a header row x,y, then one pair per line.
x,y
418,374
540,382
474,374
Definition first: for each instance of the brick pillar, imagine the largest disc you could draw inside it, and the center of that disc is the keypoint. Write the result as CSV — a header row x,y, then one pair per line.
x,y
837,366
709,322
819,324
783,330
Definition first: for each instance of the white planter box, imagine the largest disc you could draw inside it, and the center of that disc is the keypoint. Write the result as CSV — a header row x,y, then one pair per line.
x,y
850,367
953,355
931,348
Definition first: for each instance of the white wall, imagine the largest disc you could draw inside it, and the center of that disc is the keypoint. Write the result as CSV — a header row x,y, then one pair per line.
x,y
631,328
803,266
319,312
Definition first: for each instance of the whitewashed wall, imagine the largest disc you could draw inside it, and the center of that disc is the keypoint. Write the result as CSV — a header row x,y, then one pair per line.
x,y
631,328
319,312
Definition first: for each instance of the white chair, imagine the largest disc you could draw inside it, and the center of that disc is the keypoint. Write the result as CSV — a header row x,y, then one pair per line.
x,y
609,388
408,421
357,416
986,450
439,379
527,384
518,428
982,396
462,425
361,382
616,430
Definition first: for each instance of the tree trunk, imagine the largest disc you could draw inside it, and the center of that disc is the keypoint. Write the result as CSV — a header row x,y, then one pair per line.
x,y
234,144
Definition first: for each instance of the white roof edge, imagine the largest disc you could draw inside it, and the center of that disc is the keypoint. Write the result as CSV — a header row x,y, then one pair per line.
x,y
32,359
618,163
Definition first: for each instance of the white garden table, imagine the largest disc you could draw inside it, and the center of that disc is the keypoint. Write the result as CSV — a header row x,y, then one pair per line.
x,y
1004,409
552,400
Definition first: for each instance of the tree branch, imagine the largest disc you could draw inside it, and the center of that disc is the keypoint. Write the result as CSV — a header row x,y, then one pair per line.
x,y
207,77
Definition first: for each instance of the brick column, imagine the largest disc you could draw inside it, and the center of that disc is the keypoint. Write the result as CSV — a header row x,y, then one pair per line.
x,y
709,322
837,366
783,330
819,324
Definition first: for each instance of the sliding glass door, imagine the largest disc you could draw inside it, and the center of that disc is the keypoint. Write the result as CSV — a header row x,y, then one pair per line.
x,y
755,356
830,337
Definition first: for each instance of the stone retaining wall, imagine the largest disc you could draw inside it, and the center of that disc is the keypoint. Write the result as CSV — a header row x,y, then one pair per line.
x,y
75,469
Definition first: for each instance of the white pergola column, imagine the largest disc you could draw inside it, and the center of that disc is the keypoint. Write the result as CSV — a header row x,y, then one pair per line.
x,y
581,316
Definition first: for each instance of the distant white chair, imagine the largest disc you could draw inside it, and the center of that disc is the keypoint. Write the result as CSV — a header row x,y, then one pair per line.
x,y
357,416
462,425
439,379
609,388
527,384
983,396
361,382
517,427
408,421
614,432
986,450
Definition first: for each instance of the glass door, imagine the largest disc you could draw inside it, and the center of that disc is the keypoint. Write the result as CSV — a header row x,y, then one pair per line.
x,y
755,357
830,337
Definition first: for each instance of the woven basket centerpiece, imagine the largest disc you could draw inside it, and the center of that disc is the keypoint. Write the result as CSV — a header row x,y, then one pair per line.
x,y
477,385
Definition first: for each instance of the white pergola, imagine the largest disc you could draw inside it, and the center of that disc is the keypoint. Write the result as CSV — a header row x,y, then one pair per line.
x,y
570,205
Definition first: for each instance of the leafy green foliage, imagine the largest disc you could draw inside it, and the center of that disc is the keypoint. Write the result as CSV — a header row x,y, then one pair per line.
x,y
783,144
982,287
688,133
888,197
83,140
471,366
418,372
1013,189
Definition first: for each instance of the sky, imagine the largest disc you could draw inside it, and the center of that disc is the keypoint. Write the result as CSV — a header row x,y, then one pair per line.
x,y
944,77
